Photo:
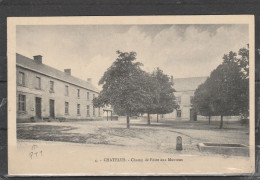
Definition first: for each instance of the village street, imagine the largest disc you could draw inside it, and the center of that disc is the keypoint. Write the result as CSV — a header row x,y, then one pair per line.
x,y
158,137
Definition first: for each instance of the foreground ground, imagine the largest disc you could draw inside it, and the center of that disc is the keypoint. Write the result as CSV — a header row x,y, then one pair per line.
x,y
158,137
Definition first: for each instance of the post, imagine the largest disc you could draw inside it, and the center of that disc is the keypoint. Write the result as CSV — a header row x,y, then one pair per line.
x,y
157,118
148,117
127,121
111,115
107,115
221,122
179,143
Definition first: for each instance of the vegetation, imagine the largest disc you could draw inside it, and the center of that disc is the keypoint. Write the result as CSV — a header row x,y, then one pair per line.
x,y
165,101
130,90
226,91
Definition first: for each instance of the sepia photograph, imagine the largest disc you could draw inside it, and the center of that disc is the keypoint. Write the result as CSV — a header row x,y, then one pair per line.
x,y
158,95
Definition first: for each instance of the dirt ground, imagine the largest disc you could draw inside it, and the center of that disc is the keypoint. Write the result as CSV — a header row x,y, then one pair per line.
x,y
158,137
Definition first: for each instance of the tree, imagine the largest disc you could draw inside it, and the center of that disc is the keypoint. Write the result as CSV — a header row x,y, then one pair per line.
x,y
123,87
243,62
202,100
165,103
160,92
226,91
152,92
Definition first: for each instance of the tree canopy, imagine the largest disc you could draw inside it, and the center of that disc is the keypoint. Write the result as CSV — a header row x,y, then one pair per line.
x,y
166,101
202,100
159,88
130,90
123,86
226,91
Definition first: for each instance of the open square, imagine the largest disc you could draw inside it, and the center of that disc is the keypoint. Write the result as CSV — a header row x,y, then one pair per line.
x,y
158,137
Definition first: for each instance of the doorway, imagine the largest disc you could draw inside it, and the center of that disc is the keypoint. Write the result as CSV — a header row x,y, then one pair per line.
x,y
38,107
193,115
52,112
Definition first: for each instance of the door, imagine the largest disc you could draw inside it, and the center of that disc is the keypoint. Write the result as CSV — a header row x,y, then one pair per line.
x,y
52,112
193,115
38,107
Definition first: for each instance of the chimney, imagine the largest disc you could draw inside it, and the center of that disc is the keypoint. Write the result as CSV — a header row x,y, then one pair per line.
x,y
67,71
38,59
89,80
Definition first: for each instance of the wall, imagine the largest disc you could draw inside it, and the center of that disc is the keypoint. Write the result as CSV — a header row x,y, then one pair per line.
x,y
58,96
185,106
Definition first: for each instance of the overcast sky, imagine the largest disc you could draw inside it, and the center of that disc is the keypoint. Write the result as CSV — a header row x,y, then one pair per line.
x,y
179,50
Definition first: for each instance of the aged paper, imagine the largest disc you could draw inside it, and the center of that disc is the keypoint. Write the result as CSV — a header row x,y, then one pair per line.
x,y
53,128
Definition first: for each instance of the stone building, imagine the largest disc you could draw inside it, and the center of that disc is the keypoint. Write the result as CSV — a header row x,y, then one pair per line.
x,y
185,88
45,93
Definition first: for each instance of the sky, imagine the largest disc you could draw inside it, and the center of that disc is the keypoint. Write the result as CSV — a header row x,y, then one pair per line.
x,y
179,50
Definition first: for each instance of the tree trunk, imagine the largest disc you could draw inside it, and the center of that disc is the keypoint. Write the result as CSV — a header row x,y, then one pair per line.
x,y
127,121
221,122
148,118
157,118
209,119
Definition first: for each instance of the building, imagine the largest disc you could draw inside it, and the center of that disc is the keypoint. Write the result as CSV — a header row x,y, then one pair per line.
x,y
185,88
45,93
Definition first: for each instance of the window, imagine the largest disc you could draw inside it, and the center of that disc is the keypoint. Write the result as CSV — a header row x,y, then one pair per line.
x,y
87,95
51,86
93,96
191,99
178,113
87,110
66,90
21,79
22,103
38,83
66,107
99,112
178,99
78,109
94,111
78,93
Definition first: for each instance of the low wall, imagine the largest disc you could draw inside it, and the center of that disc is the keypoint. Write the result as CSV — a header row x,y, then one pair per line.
x,y
225,149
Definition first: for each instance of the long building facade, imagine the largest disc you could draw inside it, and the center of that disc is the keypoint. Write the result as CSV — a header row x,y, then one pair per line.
x,y
45,93
185,88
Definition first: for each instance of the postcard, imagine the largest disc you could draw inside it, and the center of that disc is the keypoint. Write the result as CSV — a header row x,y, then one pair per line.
x,y
131,95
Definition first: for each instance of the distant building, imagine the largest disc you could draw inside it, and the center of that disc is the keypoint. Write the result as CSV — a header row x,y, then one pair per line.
x,y
45,93
185,88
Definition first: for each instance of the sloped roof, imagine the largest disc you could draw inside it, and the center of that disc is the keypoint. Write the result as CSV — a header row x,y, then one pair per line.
x,y
188,84
28,63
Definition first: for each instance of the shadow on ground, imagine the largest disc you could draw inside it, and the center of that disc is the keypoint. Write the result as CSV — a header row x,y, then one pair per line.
x,y
57,133
196,125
